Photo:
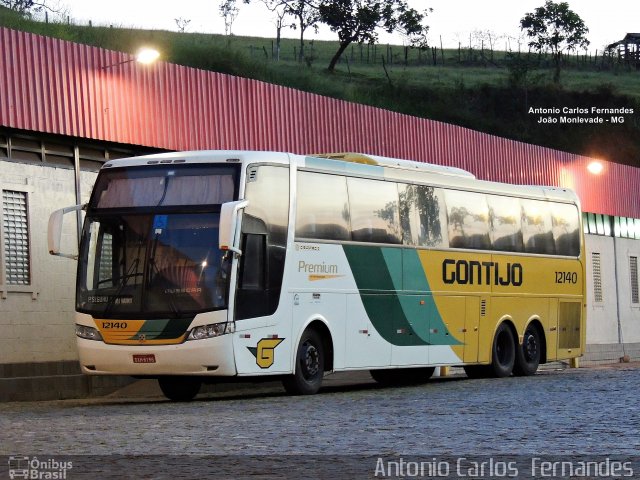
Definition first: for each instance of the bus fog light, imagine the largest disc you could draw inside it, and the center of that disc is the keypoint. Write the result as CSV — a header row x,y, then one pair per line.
x,y
89,333
211,330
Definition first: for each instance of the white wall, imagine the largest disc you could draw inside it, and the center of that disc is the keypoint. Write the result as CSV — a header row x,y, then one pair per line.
x,y
40,328
629,312
602,317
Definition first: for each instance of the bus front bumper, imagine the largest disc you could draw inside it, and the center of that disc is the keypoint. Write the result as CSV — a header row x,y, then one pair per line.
x,y
207,357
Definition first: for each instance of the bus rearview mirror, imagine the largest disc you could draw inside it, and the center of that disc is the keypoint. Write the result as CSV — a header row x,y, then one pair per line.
x,y
54,231
229,226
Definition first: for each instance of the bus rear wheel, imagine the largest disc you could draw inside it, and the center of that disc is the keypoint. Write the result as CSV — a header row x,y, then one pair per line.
x,y
529,353
503,353
402,376
179,389
309,366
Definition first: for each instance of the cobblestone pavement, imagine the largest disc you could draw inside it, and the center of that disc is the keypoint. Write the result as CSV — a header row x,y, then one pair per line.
x,y
585,411
343,432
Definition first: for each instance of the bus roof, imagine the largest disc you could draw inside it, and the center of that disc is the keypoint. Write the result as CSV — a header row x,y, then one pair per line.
x,y
410,171
358,164
396,163
198,156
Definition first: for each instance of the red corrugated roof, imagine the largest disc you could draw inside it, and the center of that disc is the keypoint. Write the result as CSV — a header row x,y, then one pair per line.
x,y
59,87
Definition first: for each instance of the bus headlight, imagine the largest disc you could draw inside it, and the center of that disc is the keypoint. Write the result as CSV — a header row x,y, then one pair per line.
x,y
211,330
89,333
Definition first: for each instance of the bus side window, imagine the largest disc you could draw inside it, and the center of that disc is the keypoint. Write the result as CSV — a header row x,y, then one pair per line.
x,y
421,214
374,211
264,238
505,223
323,207
566,229
468,217
537,231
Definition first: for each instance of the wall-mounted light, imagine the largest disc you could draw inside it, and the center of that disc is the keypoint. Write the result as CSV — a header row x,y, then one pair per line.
x,y
595,167
145,56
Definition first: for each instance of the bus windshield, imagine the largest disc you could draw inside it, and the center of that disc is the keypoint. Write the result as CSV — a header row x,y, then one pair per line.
x,y
150,243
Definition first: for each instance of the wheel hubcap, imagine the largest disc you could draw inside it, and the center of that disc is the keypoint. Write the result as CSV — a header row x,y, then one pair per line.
x,y
530,347
310,360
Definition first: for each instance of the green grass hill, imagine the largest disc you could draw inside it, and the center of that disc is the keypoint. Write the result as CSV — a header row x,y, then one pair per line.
x,y
489,91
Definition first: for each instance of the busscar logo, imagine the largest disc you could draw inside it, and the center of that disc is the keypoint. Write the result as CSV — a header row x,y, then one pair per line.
x,y
314,248
264,351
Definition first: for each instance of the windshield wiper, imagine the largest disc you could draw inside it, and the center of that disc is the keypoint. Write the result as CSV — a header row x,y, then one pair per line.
x,y
125,280
153,268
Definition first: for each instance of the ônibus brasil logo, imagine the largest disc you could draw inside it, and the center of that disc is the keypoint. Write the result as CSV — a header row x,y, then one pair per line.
x,y
38,469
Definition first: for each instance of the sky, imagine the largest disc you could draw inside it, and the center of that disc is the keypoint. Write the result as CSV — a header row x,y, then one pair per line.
x,y
452,20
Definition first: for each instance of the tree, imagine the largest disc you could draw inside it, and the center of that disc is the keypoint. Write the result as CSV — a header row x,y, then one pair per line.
x,y
182,23
281,9
358,20
304,11
557,28
29,7
307,15
228,11
20,6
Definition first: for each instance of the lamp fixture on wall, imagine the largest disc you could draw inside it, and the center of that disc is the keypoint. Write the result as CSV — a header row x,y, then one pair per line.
x,y
145,56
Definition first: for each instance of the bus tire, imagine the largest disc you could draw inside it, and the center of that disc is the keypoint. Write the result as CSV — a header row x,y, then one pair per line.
x,y
179,389
528,354
309,366
402,376
503,353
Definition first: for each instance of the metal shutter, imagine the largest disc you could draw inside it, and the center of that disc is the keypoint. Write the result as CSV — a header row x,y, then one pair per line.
x,y
633,268
16,238
597,277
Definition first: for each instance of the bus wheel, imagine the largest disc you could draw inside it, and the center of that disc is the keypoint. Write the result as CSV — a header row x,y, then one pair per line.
x,y
179,389
503,355
528,355
309,366
402,376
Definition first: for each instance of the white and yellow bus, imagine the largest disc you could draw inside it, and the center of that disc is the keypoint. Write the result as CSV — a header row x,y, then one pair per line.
x,y
199,265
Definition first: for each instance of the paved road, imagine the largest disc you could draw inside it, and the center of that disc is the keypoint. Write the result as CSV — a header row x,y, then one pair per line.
x,y
586,411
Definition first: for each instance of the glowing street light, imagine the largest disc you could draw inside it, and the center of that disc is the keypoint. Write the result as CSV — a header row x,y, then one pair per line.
x,y
595,167
145,56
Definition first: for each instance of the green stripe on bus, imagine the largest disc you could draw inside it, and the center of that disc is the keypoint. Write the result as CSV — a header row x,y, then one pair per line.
x,y
163,329
175,328
430,326
377,291
402,320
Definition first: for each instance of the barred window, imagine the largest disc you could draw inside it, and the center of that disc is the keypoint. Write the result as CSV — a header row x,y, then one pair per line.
x,y
633,269
15,228
597,277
